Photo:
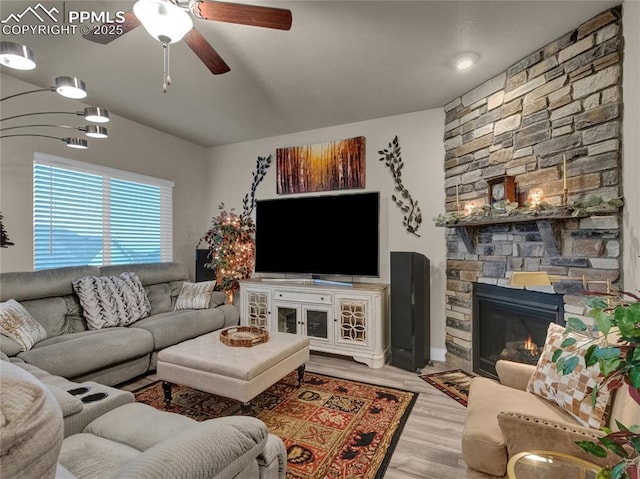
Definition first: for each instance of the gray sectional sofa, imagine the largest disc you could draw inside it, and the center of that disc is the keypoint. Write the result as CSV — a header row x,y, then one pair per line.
x,y
44,435
112,355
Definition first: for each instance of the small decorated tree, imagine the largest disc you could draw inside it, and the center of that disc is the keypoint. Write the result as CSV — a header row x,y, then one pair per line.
x,y
232,248
4,237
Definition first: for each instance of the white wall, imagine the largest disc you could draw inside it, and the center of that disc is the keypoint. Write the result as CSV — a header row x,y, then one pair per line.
x,y
131,147
420,135
631,144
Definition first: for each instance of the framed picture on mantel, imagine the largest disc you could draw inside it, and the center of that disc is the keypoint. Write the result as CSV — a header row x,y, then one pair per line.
x,y
501,188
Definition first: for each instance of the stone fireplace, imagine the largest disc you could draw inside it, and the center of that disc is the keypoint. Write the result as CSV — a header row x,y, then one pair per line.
x,y
562,101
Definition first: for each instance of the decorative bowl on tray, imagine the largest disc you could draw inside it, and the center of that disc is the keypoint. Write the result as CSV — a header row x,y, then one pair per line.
x,y
244,336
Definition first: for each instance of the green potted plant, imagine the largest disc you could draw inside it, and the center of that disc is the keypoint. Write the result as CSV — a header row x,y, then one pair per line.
x,y
615,315
231,249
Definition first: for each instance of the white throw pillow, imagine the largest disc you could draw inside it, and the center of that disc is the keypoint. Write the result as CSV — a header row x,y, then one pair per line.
x,y
195,295
19,325
109,301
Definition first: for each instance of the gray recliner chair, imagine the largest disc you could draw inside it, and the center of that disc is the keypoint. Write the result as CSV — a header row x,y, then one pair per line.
x,y
131,441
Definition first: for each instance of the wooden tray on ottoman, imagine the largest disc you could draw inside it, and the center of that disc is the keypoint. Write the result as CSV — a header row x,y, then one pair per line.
x,y
244,336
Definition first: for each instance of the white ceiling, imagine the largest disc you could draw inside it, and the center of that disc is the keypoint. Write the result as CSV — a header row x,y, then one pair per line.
x,y
341,62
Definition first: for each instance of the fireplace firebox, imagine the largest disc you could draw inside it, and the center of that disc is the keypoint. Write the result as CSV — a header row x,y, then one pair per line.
x,y
510,324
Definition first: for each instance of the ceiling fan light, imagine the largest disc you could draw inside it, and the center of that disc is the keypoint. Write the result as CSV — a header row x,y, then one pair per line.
x,y
95,114
96,131
71,87
163,20
76,143
16,56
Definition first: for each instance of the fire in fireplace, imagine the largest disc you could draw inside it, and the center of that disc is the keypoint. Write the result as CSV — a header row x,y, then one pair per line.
x,y
510,324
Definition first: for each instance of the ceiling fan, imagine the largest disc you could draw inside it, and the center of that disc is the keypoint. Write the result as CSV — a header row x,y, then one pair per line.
x,y
168,21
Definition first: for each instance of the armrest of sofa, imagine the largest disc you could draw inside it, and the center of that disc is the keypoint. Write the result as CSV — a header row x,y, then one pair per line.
x,y
223,446
514,375
528,433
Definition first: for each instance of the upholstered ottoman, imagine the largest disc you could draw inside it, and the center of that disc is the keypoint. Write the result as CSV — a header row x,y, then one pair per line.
x,y
240,373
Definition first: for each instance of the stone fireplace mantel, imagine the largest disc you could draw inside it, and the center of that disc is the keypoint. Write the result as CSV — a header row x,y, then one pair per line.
x,y
552,120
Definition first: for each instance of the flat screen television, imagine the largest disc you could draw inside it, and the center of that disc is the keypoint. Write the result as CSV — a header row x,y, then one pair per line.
x,y
319,235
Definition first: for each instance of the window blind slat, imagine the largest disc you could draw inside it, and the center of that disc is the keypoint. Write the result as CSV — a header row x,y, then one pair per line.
x,y
84,214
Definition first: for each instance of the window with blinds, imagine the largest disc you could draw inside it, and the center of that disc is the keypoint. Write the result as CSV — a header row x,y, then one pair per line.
x,y
88,214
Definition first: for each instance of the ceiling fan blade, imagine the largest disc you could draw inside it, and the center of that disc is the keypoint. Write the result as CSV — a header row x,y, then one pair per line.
x,y
253,15
107,32
205,52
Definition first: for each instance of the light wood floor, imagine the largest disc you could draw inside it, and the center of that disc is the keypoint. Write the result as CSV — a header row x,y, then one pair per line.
x,y
429,446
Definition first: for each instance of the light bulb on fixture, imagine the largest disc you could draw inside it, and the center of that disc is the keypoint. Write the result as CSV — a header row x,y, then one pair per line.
x,y
71,87
167,23
465,61
163,20
95,131
95,114
76,143
16,56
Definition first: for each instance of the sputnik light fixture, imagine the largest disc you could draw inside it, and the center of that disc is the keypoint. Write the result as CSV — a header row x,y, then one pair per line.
x,y
20,57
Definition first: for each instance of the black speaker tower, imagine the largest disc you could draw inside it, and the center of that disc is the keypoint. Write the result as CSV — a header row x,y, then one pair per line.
x,y
410,303
202,273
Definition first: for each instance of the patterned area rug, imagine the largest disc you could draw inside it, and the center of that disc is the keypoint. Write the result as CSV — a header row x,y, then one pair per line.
x,y
454,383
332,428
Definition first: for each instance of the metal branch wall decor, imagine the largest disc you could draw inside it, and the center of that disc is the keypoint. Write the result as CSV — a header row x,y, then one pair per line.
x,y
412,215
249,200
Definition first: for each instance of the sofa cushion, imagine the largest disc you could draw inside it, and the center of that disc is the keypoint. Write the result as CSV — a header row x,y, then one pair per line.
x,y
571,392
195,295
483,445
73,355
177,326
57,315
88,457
17,323
110,301
123,425
159,297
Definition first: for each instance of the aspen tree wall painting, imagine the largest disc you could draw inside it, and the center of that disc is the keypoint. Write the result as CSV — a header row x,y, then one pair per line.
x,y
338,165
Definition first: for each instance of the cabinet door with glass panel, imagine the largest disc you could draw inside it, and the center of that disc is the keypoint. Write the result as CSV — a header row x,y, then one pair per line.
x,y
310,320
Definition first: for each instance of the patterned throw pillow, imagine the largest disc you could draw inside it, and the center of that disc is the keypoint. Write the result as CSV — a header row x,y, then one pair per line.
x,y
572,392
195,295
109,301
19,325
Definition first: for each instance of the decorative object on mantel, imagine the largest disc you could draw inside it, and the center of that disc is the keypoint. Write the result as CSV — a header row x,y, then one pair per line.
x,y
337,165
502,190
231,237
4,237
485,214
412,214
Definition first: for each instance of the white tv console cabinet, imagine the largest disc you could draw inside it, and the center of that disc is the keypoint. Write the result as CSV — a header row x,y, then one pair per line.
x,y
346,320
